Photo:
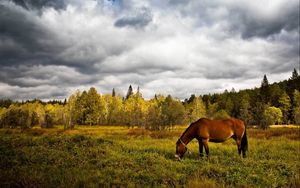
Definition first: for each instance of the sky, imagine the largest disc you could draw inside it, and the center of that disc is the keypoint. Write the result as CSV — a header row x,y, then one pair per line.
x,y
51,48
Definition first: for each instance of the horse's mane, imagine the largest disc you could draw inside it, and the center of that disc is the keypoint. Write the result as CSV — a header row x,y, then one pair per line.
x,y
192,124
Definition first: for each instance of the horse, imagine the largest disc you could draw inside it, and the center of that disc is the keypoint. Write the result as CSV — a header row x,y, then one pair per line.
x,y
205,130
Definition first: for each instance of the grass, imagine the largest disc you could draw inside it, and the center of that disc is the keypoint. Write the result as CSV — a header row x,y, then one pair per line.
x,y
121,157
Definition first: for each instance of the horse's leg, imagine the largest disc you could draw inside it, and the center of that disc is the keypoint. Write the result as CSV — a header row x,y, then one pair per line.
x,y
238,143
200,148
205,143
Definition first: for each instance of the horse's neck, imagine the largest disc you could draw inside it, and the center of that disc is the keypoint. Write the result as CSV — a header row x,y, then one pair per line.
x,y
188,135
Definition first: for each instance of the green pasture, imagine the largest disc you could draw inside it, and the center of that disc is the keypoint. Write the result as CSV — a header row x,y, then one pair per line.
x,y
121,157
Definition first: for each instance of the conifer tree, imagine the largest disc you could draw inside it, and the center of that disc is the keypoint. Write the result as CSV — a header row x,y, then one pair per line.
x,y
294,75
265,90
129,92
113,94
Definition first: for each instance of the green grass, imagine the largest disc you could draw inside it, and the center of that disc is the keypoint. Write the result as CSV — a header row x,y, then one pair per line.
x,y
121,157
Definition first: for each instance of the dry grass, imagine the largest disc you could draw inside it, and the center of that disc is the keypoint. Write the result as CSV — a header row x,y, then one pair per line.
x,y
290,133
115,156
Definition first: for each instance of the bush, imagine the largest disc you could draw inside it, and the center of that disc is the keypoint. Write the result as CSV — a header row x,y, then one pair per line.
x,y
273,115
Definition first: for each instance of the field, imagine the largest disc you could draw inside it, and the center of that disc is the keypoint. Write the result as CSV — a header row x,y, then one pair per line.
x,y
121,157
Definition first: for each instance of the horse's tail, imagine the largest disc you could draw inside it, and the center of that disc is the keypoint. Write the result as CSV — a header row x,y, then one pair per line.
x,y
244,144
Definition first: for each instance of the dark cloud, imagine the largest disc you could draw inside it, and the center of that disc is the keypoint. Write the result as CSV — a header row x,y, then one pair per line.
x,y
246,18
48,49
23,40
38,4
250,24
142,18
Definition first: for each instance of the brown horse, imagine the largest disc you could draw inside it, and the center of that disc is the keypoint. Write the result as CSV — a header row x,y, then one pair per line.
x,y
205,130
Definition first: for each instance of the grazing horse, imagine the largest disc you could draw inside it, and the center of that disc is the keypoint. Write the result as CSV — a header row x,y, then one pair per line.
x,y
205,130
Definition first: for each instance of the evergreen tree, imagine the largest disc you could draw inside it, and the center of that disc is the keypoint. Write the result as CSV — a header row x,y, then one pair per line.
x,y
129,92
258,115
5,103
265,90
294,75
191,99
138,93
275,93
245,110
113,93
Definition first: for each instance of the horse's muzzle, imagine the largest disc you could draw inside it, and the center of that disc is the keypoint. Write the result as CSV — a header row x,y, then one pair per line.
x,y
177,157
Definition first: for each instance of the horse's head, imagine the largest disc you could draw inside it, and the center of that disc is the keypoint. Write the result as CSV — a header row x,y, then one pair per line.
x,y
180,149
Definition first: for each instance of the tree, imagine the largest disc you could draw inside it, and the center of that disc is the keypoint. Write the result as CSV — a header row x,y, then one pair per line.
x,y
296,108
273,115
2,116
195,108
294,75
138,93
5,103
211,109
18,116
292,84
114,110
129,92
96,108
221,114
285,106
49,116
258,115
37,113
81,107
154,117
225,102
58,114
70,111
48,120
140,109
128,111
172,112
265,90
245,110
275,93
113,94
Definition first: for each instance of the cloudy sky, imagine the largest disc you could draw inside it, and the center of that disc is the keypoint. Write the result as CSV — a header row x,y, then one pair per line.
x,y
50,48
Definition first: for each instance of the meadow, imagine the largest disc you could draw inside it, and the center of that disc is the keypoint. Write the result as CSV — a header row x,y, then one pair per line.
x,y
107,156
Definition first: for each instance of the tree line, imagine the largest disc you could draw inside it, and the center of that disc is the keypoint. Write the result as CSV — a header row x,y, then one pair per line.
x,y
277,103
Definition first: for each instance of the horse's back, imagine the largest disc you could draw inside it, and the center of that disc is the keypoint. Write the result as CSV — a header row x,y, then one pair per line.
x,y
220,130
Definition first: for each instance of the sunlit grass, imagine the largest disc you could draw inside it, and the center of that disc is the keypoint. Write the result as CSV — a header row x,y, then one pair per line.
x,y
117,156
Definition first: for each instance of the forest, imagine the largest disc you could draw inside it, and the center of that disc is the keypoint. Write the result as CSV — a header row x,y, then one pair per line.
x,y
108,140
269,104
